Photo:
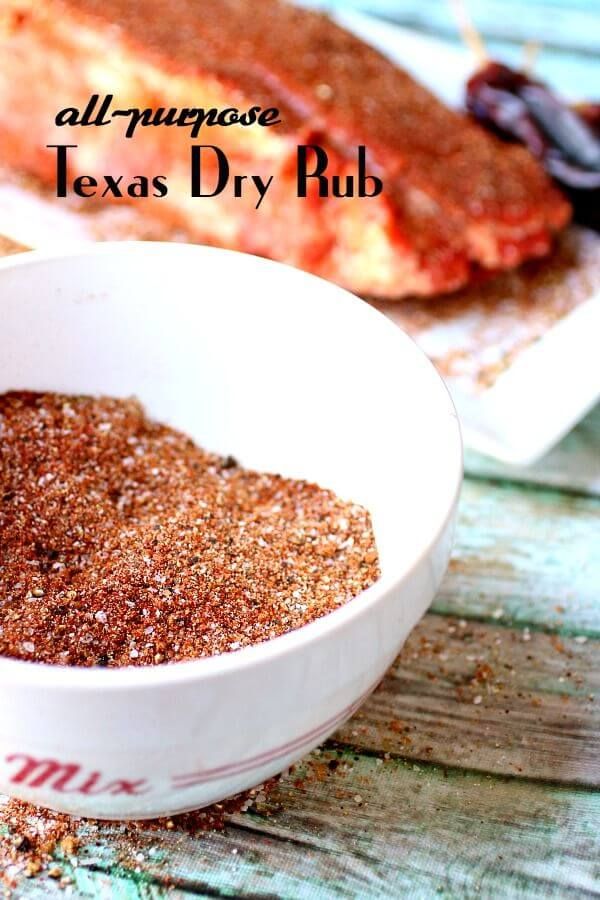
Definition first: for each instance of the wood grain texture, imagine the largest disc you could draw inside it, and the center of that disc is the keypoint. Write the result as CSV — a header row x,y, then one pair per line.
x,y
368,829
525,557
513,686
425,830
488,698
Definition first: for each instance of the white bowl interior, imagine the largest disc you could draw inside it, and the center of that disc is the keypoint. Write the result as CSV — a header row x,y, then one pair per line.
x,y
283,370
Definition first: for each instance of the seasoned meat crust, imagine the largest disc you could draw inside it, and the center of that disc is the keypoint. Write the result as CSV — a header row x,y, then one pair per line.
x,y
455,199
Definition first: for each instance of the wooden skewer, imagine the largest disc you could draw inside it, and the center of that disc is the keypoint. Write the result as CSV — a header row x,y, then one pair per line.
x,y
468,32
8,246
531,50
476,44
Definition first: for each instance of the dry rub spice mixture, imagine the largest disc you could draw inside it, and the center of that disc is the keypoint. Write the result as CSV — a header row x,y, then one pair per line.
x,y
35,841
123,543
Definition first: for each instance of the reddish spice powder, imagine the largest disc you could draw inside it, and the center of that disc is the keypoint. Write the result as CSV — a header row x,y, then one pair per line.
x,y
36,841
123,543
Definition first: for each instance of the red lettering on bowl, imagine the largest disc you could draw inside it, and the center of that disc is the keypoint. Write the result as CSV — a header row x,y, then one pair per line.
x,y
69,778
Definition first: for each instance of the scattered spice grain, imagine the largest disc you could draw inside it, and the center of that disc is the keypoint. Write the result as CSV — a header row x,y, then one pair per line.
x,y
36,841
125,544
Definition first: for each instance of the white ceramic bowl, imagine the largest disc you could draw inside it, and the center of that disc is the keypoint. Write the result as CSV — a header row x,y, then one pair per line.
x,y
290,374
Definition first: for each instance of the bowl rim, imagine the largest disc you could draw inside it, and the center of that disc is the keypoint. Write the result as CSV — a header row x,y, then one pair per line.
x,y
83,678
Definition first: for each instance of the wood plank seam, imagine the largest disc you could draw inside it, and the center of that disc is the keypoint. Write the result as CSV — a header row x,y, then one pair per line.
x,y
426,764
508,625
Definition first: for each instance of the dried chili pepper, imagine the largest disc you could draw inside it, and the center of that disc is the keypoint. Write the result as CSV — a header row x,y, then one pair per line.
x,y
565,139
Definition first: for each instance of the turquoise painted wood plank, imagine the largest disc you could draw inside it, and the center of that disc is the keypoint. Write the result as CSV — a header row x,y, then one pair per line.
x,y
489,698
525,577
569,55
371,829
423,830
91,884
525,558
557,23
573,465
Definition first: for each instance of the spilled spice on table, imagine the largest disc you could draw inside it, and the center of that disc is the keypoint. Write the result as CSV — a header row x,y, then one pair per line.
x,y
36,841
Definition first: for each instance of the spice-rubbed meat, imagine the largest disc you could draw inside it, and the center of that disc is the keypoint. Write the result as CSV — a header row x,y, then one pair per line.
x,y
454,197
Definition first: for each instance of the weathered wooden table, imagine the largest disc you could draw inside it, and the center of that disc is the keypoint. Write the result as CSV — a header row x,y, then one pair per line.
x,y
474,768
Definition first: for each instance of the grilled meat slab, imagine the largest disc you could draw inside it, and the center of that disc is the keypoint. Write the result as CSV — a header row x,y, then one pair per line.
x,y
455,199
